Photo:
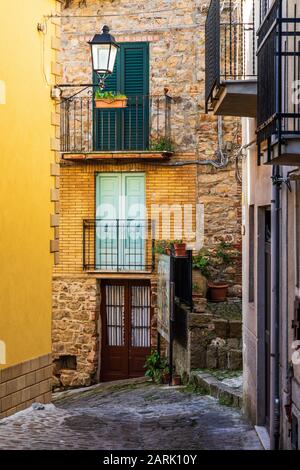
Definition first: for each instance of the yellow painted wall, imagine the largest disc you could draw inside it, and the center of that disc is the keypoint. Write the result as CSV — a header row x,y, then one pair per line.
x,y
25,182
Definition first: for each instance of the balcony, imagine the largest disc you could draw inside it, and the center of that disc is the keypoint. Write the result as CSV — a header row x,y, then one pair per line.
x,y
117,245
140,130
230,61
278,114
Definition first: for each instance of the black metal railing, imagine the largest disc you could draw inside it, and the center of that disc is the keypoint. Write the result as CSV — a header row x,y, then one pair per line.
x,y
278,106
230,46
264,8
144,124
118,245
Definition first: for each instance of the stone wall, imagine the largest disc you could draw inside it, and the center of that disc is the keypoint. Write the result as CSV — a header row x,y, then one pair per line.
x,y
206,341
75,333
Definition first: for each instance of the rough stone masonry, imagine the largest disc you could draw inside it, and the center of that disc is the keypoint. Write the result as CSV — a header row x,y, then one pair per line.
x,y
175,32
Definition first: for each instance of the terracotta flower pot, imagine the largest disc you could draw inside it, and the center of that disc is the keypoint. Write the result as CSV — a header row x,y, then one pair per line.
x,y
167,251
176,380
107,103
218,291
180,249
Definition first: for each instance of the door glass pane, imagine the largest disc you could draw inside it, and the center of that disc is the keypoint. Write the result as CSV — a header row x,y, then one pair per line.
x,y
115,315
140,317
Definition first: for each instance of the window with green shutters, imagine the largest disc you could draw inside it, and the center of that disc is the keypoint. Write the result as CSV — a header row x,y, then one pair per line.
x,y
128,128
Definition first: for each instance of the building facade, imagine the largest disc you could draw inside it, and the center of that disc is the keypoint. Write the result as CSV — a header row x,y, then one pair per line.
x,y
131,178
260,84
28,141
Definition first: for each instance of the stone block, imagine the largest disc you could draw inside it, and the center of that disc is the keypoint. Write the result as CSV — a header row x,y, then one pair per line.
x,y
233,343
222,358
212,357
198,356
235,329
235,359
199,304
221,328
199,319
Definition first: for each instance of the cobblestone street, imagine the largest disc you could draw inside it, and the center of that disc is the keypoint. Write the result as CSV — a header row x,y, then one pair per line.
x,y
136,416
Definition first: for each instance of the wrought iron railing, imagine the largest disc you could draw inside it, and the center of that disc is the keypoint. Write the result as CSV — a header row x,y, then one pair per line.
x,y
144,124
230,46
118,245
264,8
278,107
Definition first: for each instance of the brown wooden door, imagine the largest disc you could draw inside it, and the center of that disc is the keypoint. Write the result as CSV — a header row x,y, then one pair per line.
x,y
126,329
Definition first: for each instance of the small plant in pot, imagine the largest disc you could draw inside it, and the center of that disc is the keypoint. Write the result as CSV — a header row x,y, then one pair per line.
x,y
162,144
157,368
163,247
109,99
213,264
179,248
196,291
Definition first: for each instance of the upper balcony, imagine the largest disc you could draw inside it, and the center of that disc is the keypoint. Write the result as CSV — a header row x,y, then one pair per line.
x,y
141,129
230,60
278,114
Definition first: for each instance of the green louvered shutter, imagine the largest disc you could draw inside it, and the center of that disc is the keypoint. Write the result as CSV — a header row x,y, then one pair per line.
x,y
106,120
126,129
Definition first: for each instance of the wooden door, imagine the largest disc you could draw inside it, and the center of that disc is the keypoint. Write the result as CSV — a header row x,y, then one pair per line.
x,y
126,329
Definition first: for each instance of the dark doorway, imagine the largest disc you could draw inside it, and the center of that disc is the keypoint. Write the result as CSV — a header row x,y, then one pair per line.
x,y
126,329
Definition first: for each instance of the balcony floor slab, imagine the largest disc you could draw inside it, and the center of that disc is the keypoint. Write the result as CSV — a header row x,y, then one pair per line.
x,y
118,155
236,98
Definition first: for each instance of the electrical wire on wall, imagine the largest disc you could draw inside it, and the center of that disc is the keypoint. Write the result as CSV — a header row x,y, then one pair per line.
x,y
43,29
239,157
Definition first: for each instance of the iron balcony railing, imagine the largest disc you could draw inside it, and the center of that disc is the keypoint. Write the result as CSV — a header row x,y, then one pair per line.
x,y
278,106
230,45
118,245
144,124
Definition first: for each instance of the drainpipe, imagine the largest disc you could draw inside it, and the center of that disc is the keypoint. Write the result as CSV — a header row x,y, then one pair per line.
x,y
275,313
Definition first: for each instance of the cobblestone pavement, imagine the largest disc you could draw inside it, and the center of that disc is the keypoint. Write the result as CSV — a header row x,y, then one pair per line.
x,y
140,416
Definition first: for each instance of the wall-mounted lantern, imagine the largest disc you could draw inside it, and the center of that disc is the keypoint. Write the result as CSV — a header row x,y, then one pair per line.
x,y
104,51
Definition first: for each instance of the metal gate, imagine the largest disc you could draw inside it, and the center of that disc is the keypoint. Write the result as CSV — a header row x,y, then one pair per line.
x,y
126,329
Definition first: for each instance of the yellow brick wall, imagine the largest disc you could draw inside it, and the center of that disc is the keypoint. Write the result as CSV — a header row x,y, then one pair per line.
x,y
164,185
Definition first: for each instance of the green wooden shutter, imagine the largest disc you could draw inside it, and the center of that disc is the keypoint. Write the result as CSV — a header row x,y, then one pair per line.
x,y
105,121
126,129
136,87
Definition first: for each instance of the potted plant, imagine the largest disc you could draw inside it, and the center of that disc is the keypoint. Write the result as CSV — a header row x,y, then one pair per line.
x,y
213,264
162,144
163,247
109,99
179,248
157,368
176,379
197,292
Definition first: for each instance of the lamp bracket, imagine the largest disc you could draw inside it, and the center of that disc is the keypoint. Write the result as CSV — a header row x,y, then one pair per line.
x,y
280,180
